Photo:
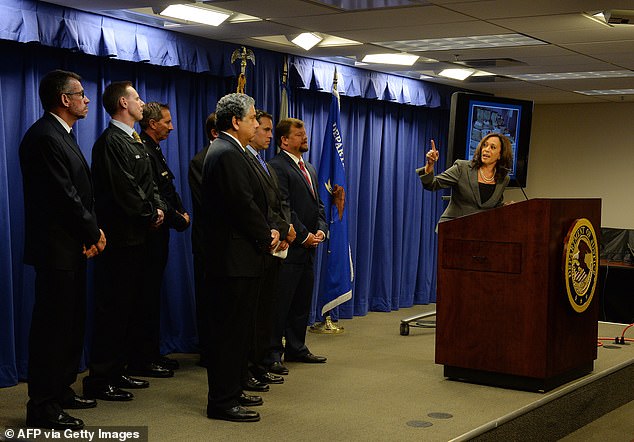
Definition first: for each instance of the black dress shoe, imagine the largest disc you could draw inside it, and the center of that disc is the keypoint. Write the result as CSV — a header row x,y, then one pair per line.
x,y
150,370
252,384
169,363
278,368
59,421
50,415
250,401
78,403
108,393
235,414
133,383
308,358
270,378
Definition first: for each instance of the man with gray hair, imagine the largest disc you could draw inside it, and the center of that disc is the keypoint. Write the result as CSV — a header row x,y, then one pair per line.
x,y
237,238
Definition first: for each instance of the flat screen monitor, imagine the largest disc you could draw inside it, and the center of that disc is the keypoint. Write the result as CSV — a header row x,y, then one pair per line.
x,y
474,116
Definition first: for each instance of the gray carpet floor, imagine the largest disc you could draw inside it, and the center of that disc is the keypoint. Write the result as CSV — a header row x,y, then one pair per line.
x,y
376,386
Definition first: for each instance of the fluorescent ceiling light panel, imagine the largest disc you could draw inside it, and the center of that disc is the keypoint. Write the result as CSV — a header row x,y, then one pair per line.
x,y
572,75
399,59
196,14
243,18
473,42
456,74
607,92
276,39
483,74
307,40
332,41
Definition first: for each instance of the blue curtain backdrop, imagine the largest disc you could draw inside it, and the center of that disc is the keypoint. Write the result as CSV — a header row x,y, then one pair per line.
x,y
386,124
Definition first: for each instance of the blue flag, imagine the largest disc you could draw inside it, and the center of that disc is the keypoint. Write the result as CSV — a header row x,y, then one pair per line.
x,y
337,284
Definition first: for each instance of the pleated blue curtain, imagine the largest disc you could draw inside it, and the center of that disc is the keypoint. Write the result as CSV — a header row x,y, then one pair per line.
x,y
391,219
386,124
191,96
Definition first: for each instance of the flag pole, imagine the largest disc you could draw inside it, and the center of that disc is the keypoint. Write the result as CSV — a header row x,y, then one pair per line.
x,y
328,326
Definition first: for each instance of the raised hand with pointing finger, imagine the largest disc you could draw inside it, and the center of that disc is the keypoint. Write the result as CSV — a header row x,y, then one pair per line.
x,y
432,157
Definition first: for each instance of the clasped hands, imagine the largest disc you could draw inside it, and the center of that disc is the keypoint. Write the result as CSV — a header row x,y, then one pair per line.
x,y
313,240
96,249
281,245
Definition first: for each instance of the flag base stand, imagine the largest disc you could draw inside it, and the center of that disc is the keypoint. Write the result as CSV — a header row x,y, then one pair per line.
x,y
327,327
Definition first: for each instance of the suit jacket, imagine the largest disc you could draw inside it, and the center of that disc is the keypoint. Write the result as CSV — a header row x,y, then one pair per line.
x,y
465,193
307,210
279,215
58,197
125,194
195,177
236,231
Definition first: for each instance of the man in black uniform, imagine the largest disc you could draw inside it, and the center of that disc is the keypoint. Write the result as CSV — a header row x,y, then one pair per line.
x,y
128,205
60,233
156,125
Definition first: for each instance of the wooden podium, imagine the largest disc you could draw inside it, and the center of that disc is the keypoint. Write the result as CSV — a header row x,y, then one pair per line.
x,y
503,314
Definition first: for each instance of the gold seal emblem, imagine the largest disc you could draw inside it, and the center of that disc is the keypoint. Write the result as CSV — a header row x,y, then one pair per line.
x,y
581,264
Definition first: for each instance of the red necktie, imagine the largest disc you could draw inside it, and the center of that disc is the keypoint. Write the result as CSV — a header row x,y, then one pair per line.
x,y
305,173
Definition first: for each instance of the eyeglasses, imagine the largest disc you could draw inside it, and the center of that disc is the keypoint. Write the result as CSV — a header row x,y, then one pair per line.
x,y
80,93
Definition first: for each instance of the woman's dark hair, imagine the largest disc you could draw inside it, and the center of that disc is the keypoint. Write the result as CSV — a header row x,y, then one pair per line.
x,y
504,164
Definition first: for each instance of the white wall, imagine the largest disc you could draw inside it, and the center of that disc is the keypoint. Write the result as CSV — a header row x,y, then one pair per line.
x,y
584,151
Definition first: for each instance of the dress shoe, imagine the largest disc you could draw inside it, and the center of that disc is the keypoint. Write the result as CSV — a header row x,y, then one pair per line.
x,y
308,358
252,384
61,421
235,414
50,415
128,382
168,363
278,368
78,403
150,370
247,400
270,378
108,393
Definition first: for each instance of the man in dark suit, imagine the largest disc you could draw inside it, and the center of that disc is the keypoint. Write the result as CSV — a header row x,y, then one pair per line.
x,y
237,237
279,218
297,182
128,205
156,126
61,232
195,177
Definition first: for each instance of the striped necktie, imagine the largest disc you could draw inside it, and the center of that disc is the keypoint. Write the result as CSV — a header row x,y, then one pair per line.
x,y
305,173
136,136
262,163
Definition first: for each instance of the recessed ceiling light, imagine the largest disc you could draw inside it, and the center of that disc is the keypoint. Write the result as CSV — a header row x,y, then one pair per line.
x,y
456,74
332,41
572,75
195,14
307,40
607,92
243,18
399,59
469,42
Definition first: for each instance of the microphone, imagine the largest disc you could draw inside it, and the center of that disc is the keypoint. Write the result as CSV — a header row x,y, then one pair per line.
x,y
521,188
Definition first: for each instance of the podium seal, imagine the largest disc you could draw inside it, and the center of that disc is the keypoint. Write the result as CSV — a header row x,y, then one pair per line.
x,y
581,264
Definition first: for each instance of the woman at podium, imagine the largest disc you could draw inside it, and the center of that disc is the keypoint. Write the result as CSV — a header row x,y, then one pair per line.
x,y
476,185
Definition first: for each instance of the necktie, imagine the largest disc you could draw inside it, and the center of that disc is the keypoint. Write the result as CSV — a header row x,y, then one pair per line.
x,y
262,163
305,173
72,134
136,136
